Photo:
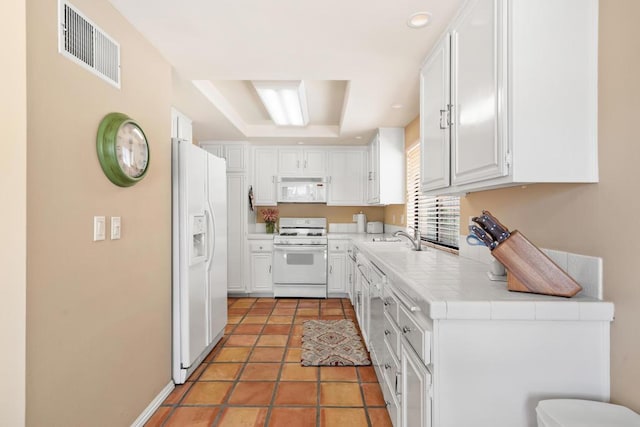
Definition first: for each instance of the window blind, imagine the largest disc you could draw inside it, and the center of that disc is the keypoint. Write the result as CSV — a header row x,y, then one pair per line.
x,y
437,218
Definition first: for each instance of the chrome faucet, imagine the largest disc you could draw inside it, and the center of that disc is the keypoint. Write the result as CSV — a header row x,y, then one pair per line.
x,y
416,240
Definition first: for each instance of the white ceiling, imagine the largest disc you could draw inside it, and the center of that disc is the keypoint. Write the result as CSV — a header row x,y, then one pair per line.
x,y
357,57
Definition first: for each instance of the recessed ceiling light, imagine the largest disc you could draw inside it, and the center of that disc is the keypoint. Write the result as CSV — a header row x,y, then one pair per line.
x,y
396,106
358,137
419,20
300,143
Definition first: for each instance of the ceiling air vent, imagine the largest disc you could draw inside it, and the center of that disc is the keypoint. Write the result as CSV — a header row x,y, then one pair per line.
x,y
82,41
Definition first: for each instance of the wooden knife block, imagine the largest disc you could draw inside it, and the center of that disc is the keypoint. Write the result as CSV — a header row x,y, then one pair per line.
x,y
530,270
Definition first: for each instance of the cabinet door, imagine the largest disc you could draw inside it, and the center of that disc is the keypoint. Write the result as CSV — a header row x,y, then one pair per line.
x,y
264,177
477,145
236,211
357,294
289,162
236,158
346,174
261,280
366,312
434,118
335,279
373,186
415,398
315,163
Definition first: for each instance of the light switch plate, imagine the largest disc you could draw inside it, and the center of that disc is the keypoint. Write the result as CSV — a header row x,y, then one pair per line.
x,y
115,227
99,228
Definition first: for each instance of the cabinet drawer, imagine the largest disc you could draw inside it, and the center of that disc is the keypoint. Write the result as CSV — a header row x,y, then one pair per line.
x,y
392,375
419,338
390,304
338,245
261,246
392,336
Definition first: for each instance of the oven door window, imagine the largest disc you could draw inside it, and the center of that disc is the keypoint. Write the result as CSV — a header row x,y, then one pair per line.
x,y
300,259
300,265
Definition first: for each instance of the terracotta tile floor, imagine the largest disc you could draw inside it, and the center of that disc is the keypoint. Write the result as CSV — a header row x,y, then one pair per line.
x,y
253,377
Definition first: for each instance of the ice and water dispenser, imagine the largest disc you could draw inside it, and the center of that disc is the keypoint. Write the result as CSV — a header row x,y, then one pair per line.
x,y
198,239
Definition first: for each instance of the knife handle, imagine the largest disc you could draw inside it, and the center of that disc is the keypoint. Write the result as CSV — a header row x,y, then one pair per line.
x,y
495,220
483,236
499,234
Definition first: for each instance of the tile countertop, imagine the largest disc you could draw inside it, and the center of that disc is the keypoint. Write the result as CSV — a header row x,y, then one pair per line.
x,y
446,286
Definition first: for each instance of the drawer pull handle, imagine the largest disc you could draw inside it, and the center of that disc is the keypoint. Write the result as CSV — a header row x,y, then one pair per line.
x,y
396,386
387,332
406,329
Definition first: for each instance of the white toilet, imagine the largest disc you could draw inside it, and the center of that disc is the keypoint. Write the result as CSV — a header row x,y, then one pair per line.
x,y
584,413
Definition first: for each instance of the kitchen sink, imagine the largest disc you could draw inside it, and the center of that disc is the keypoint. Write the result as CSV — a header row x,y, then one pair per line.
x,y
387,239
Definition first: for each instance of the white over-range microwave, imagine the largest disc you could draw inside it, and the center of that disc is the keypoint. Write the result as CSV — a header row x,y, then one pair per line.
x,y
302,190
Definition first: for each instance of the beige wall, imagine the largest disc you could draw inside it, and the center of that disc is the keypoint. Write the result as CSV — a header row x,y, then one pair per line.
x,y
99,313
13,214
334,214
597,219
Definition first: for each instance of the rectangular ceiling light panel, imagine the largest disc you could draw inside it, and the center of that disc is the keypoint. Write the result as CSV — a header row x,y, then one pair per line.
x,y
285,101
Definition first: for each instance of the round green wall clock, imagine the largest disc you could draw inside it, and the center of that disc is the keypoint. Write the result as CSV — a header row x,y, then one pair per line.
x,y
123,149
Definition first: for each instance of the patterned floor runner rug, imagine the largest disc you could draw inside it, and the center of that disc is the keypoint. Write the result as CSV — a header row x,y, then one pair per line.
x,y
332,343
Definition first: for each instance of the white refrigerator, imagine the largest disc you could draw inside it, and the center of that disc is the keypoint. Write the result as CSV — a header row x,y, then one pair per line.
x,y
199,202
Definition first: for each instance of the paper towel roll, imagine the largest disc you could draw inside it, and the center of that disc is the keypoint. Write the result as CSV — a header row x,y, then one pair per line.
x,y
361,220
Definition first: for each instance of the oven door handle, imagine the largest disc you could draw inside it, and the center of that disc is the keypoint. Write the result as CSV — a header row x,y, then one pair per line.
x,y
300,248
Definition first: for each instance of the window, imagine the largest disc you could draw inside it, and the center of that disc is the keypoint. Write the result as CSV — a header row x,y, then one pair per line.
x,y
437,218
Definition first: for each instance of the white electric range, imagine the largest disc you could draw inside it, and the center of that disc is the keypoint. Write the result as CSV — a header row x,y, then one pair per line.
x,y
300,258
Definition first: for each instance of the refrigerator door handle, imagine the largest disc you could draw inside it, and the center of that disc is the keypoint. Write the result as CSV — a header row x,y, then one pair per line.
x,y
211,234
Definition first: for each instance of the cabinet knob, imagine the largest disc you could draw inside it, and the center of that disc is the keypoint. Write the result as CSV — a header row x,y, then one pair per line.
x,y
386,303
386,332
387,366
406,329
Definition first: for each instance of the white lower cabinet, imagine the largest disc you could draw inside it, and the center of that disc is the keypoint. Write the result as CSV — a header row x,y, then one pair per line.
x,y
457,371
336,274
337,268
415,394
261,255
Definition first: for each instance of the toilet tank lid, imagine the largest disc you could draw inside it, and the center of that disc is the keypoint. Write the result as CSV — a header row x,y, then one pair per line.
x,y
584,413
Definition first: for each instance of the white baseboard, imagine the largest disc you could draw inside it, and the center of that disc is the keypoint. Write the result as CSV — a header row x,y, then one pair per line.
x,y
154,405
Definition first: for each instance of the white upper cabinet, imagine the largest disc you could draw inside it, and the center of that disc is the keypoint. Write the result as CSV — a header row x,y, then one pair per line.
x,y
476,148
346,177
264,176
181,126
523,102
293,161
386,167
434,123
235,153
